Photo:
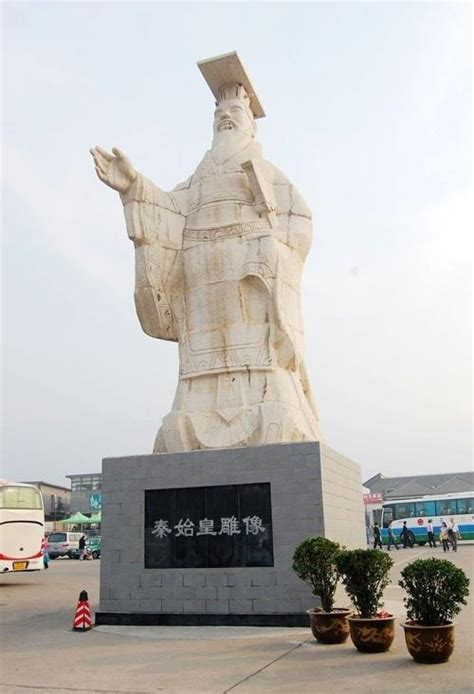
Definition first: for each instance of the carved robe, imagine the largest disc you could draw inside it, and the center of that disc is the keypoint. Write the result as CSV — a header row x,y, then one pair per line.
x,y
213,274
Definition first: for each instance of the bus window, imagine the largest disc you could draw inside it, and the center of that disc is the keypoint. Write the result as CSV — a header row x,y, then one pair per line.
x,y
20,497
405,510
387,515
425,508
465,506
446,507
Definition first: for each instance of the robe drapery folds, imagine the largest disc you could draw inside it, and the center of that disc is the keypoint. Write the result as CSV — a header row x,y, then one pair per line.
x,y
156,227
217,274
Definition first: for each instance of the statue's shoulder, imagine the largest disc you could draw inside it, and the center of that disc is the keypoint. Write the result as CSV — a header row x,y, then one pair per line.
x,y
184,185
200,169
282,183
274,175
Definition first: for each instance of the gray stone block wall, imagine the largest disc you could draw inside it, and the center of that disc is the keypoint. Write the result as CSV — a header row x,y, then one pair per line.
x,y
343,504
314,491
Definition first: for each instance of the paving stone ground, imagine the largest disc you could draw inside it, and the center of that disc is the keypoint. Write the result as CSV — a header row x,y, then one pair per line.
x,y
40,653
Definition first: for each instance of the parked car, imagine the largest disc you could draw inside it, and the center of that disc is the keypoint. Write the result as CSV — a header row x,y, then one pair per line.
x,y
93,544
62,544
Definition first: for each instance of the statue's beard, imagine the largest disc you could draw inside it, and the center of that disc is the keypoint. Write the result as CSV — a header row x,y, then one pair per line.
x,y
226,143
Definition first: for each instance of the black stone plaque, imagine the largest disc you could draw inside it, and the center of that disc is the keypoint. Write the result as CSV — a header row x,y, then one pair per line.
x,y
208,527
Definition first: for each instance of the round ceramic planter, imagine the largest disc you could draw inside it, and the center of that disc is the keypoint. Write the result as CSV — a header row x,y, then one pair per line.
x,y
429,644
329,627
372,635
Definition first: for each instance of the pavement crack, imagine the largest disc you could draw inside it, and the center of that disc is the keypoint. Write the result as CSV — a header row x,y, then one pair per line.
x,y
275,660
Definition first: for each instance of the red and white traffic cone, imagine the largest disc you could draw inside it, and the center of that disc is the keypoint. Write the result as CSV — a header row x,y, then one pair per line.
x,y
82,618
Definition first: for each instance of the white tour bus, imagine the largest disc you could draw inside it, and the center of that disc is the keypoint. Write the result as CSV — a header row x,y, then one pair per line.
x,y
417,513
21,527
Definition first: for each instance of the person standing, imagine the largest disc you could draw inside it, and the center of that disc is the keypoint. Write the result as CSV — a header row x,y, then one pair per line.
x,y
454,534
44,548
404,535
377,540
444,537
430,531
391,537
82,547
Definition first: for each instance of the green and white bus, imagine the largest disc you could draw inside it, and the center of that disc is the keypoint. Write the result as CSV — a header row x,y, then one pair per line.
x,y
417,513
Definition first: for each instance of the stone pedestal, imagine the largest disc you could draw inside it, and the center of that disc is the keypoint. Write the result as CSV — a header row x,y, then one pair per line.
x,y
278,495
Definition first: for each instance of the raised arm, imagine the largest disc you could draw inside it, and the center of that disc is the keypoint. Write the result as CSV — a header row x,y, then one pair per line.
x,y
115,170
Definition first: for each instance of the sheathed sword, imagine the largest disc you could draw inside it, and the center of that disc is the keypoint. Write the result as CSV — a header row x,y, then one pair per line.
x,y
262,193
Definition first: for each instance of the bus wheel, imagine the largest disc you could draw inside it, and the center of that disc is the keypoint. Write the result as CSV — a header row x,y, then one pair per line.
x,y
411,538
421,542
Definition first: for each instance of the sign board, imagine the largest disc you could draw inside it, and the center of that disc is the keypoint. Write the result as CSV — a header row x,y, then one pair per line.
x,y
375,498
208,527
95,501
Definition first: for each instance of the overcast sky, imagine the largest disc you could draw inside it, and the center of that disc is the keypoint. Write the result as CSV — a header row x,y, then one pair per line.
x,y
368,113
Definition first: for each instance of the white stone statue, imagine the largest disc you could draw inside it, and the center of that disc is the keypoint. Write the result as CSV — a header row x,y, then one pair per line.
x,y
218,269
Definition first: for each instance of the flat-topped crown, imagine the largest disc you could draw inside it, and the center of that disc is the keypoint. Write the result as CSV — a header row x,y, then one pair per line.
x,y
227,78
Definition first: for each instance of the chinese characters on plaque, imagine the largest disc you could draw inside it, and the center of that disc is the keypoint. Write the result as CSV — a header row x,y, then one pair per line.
x,y
229,526
218,526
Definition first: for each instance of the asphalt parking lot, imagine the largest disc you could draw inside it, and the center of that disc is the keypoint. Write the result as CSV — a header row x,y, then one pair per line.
x,y
40,652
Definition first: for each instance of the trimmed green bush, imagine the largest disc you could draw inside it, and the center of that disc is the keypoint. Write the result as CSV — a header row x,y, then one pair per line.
x,y
436,590
364,573
314,561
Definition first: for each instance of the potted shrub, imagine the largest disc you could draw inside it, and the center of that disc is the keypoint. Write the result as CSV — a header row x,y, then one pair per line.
x,y
314,561
436,589
365,575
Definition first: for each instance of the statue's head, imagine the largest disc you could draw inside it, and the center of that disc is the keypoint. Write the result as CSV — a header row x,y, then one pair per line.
x,y
233,116
237,105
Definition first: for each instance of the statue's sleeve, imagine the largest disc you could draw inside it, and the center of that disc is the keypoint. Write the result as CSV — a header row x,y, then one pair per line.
x,y
155,225
295,231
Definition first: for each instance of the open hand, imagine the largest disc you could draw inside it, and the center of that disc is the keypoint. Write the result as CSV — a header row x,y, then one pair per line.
x,y
115,170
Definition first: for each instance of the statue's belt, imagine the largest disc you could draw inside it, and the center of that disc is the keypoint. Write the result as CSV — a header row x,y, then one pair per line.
x,y
225,232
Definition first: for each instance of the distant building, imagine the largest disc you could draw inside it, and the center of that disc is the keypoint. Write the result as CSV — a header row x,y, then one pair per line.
x,y
86,492
420,485
56,500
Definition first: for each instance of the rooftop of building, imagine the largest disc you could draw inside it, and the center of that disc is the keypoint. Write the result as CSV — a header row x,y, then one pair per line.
x,y
421,485
84,474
